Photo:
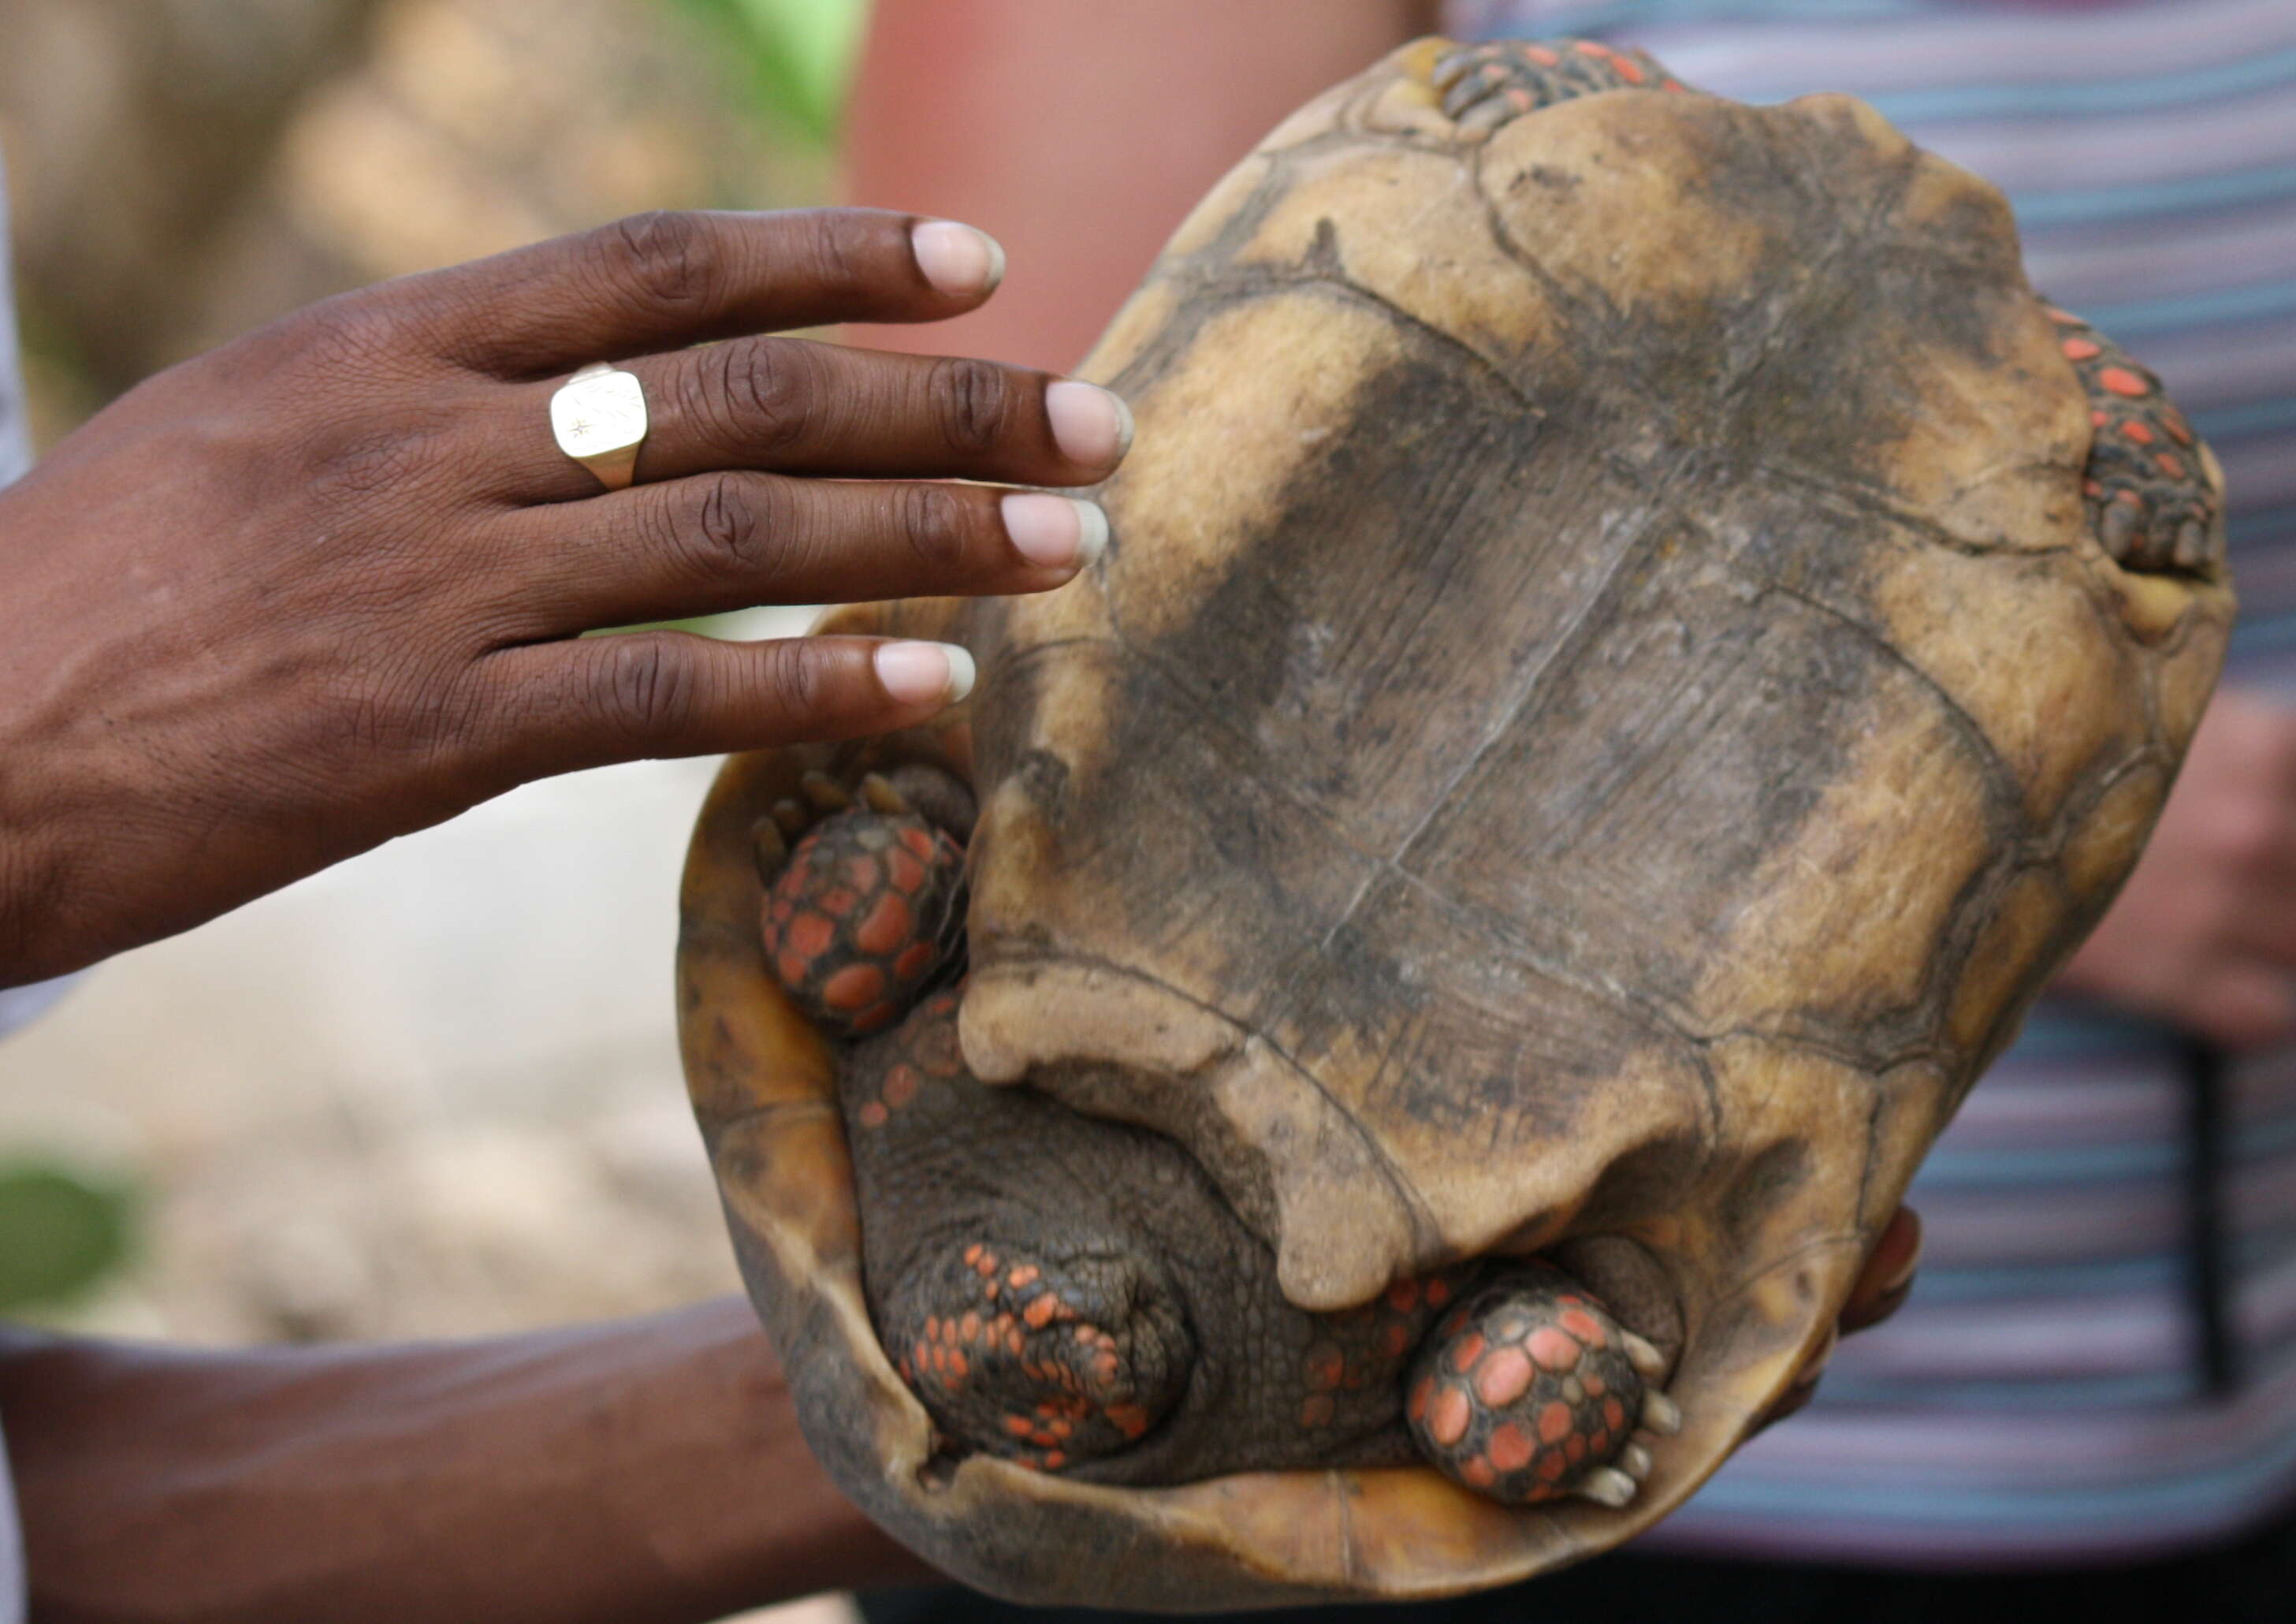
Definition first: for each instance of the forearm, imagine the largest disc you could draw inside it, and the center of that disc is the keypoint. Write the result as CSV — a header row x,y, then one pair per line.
x,y
639,1473
1081,135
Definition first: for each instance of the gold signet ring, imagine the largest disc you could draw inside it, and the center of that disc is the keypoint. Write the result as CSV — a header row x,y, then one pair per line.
x,y
600,420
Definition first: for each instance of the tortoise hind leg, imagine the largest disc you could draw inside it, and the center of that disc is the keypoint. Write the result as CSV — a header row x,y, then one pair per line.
x,y
2152,501
1023,1314
1529,1391
1484,86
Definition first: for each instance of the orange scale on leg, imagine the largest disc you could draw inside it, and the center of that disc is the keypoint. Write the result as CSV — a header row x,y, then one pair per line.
x,y
1448,1415
1396,1340
1477,1473
1316,1411
1420,1395
2081,348
2170,464
1575,1451
1552,1465
1403,1296
901,1087
887,926
1629,68
1505,1377
1054,1459
876,1018
863,872
1511,1447
792,967
1585,1326
1592,1385
1438,1293
914,960
839,900
854,988
1325,1365
1553,1349
1470,1350
1554,1421
873,1114
812,934
1614,1414
2120,380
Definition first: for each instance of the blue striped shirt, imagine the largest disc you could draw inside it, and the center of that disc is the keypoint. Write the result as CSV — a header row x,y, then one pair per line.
x,y
2045,1395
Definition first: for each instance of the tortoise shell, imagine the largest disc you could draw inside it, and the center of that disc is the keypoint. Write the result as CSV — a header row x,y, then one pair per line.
x,y
1608,696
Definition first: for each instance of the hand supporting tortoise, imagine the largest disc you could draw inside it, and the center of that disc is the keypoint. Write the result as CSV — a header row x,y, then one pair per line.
x,y
327,584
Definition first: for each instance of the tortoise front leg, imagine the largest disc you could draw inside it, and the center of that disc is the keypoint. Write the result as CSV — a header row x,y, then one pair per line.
x,y
864,913
1530,1390
2151,499
1484,86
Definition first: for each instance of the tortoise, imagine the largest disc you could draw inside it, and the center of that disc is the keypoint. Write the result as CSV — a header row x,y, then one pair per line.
x,y
1368,1054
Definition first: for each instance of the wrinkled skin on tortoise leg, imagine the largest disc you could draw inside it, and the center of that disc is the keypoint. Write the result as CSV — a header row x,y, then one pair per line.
x,y
1075,1295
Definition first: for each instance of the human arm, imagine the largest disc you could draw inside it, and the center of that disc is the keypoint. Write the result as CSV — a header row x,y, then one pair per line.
x,y
1081,135
326,585
648,1471
2204,933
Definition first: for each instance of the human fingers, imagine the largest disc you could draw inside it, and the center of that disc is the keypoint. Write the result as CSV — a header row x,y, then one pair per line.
x,y
789,405
2240,1002
1888,1277
731,540
558,707
662,281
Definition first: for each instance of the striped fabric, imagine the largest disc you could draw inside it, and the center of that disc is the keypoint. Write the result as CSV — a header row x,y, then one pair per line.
x,y
2047,1394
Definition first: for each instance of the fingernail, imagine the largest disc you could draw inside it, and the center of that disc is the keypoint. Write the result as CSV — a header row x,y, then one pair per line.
x,y
961,261
1056,531
924,673
1092,427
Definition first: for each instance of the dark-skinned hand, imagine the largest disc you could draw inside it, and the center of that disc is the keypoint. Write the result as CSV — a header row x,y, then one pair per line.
x,y
326,585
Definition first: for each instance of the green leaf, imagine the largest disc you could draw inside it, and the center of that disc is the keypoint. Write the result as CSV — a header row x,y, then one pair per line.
x,y
801,53
61,1232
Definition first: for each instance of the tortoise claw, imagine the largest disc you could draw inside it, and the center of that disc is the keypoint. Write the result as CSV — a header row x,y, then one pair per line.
x,y
882,797
1607,1486
1643,1353
770,847
1661,1415
790,819
826,794
1635,1461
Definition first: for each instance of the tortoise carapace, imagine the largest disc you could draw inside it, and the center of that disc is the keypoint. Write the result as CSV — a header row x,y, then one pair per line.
x,y
1632,643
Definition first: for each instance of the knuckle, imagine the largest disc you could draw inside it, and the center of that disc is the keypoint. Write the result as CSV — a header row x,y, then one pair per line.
x,y
671,258
795,679
726,528
932,521
642,687
836,256
974,402
765,392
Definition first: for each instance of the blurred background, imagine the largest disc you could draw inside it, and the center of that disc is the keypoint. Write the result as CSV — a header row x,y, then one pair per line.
x,y
435,1091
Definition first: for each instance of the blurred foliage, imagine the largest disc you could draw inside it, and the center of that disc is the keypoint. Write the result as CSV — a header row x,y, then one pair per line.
x,y
62,1230
801,53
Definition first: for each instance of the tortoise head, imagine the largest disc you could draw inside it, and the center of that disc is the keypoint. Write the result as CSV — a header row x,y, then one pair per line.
x,y
1605,702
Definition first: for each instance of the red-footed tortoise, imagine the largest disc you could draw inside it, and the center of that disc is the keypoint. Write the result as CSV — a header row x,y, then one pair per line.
x,y
1633,643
